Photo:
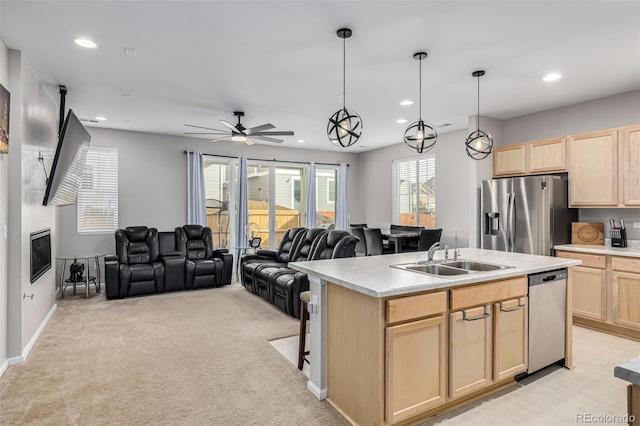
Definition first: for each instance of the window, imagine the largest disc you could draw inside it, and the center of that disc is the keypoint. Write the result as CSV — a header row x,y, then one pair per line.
x,y
414,201
326,195
331,190
98,192
217,188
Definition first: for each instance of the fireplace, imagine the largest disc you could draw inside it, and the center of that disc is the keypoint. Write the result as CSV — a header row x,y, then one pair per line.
x,y
40,253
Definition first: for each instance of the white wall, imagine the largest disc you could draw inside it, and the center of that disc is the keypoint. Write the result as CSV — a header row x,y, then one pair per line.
x,y
4,212
152,180
452,185
33,129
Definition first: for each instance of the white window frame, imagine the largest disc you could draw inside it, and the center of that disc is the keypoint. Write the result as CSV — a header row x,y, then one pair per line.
x,y
104,175
415,204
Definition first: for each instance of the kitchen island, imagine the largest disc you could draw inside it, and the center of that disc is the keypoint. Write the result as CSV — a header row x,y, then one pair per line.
x,y
394,346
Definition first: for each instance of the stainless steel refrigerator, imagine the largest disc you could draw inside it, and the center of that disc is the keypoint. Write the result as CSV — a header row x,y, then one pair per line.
x,y
526,214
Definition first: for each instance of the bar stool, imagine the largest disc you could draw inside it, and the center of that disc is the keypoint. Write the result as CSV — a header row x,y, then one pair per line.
x,y
304,316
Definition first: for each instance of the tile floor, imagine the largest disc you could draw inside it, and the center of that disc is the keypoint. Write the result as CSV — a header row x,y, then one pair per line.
x,y
553,396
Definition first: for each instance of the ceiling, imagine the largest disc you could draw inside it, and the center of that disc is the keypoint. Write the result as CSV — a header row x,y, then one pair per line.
x,y
280,62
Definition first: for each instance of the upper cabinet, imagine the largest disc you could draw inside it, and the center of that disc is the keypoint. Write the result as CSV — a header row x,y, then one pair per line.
x,y
536,157
630,159
593,169
604,168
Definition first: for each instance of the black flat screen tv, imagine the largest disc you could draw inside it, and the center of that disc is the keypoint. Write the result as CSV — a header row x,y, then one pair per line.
x,y
40,253
68,163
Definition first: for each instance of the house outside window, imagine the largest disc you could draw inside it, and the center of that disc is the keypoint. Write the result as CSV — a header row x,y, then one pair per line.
x,y
414,201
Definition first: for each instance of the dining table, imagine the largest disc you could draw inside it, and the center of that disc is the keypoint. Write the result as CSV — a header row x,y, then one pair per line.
x,y
401,238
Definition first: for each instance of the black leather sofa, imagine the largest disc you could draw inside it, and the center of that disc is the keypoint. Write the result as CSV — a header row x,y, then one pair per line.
x,y
280,285
151,262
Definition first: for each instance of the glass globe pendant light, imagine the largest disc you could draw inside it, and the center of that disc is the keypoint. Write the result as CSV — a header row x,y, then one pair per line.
x,y
478,144
345,126
421,135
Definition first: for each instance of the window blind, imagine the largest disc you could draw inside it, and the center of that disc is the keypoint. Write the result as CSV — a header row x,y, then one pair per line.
x,y
413,190
98,192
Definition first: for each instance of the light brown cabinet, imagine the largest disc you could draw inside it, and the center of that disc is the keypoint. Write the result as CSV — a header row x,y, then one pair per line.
x,y
470,352
593,169
416,368
630,159
606,292
510,346
530,158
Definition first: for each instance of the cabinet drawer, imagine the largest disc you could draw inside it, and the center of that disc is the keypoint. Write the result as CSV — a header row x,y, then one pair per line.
x,y
488,293
412,307
626,264
589,260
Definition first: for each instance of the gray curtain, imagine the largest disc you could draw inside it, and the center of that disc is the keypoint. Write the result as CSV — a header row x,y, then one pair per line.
x,y
196,197
311,197
342,210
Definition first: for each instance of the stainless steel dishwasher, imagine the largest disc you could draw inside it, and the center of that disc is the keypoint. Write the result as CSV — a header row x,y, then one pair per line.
x,y
547,318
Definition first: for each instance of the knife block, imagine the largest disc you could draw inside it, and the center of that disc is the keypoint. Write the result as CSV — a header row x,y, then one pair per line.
x,y
618,237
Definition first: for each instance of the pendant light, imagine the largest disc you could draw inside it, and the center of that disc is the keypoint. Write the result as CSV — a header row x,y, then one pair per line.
x,y
479,144
421,135
345,126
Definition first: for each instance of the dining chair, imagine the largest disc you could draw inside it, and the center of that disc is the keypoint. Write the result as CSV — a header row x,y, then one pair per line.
x,y
361,246
375,245
429,237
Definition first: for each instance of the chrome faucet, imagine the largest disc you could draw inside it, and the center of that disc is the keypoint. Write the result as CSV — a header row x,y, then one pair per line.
x,y
432,250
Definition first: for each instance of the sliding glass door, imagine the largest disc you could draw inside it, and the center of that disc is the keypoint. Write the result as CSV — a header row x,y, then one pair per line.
x,y
275,201
220,206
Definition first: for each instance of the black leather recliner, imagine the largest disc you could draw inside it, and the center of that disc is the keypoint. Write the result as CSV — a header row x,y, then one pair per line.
x,y
287,284
137,267
204,266
262,281
281,257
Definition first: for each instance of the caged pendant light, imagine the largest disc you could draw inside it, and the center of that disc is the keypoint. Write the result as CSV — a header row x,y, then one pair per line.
x,y
345,126
421,135
479,144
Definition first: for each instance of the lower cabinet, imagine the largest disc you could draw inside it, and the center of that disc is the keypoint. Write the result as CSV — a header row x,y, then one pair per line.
x,y
626,299
590,293
415,367
510,342
470,352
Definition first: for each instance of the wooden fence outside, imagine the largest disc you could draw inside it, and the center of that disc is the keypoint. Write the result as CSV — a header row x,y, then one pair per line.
x,y
428,220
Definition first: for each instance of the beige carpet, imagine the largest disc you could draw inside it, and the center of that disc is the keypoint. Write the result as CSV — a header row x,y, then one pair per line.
x,y
189,358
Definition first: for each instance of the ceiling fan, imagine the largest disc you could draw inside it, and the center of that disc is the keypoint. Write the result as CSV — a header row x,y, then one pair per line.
x,y
239,133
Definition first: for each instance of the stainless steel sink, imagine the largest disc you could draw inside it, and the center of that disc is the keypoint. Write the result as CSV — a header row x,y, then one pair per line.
x,y
474,266
435,269
449,268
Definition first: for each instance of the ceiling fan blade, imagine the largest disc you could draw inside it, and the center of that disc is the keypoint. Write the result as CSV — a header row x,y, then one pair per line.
x,y
206,133
281,133
220,139
207,128
248,141
257,129
231,126
266,139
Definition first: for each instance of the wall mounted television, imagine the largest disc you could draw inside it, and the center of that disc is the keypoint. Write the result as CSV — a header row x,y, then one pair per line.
x,y
68,163
40,253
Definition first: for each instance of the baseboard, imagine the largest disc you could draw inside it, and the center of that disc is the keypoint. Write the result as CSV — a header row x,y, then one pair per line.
x,y
4,367
319,393
15,360
32,341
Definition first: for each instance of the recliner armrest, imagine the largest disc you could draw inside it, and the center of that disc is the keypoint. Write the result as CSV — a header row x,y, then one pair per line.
x,y
171,254
266,253
111,258
222,250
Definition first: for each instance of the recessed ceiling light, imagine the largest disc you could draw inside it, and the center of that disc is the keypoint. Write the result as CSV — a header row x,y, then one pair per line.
x,y
300,140
553,76
401,121
84,42
406,102
101,118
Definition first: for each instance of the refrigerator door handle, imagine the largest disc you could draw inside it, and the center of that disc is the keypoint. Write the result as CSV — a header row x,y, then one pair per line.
x,y
508,222
512,221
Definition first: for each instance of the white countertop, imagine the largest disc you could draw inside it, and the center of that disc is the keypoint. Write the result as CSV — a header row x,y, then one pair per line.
x,y
372,275
632,251
629,371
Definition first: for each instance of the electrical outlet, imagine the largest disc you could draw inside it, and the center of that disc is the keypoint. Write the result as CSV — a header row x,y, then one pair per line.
x,y
636,224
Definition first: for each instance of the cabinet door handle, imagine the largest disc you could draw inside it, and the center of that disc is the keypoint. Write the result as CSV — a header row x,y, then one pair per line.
x,y
483,316
517,308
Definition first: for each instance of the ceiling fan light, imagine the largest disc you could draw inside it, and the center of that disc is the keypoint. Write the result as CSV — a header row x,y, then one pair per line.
x,y
479,145
239,138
